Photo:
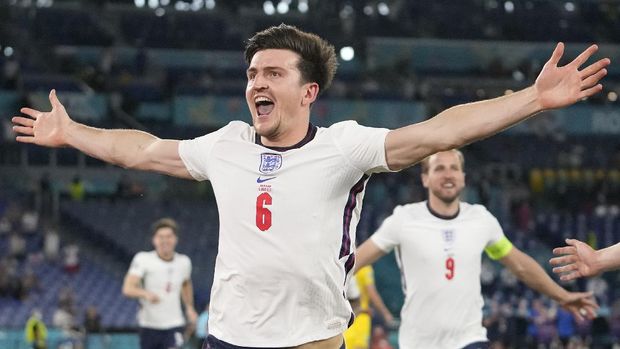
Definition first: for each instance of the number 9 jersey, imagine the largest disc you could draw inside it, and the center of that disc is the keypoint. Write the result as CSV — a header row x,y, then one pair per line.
x,y
440,261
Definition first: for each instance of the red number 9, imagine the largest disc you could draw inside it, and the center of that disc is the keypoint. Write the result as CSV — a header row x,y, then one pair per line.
x,y
450,267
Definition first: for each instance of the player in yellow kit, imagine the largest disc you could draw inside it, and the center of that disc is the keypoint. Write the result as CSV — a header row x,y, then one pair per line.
x,y
358,335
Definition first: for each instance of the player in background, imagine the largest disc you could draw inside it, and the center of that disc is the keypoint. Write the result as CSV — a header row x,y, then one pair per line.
x,y
358,335
439,244
289,194
578,259
160,280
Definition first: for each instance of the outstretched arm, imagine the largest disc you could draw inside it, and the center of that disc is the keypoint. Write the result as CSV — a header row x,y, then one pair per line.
x,y
578,259
127,148
555,87
367,254
526,269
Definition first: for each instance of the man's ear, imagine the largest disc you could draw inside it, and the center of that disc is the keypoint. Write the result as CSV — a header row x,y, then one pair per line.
x,y
424,178
310,94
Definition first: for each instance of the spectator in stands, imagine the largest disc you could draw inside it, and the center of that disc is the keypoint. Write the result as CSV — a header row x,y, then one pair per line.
x,y
29,283
36,331
45,196
160,280
9,279
92,320
30,221
10,72
77,191
71,261
63,319
51,244
17,246
438,244
565,323
66,299
287,70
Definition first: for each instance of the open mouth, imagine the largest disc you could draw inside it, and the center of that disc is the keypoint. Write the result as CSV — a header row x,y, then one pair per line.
x,y
264,106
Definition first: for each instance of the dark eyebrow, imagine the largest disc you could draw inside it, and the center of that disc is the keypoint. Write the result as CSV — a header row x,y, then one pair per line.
x,y
268,68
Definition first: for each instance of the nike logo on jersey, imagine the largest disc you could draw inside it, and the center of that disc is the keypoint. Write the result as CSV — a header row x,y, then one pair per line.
x,y
261,180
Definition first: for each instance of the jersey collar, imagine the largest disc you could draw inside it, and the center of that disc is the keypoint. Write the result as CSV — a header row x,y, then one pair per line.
x,y
309,136
441,216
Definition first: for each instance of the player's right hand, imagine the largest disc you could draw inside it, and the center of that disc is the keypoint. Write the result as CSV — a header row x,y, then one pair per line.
x,y
576,260
152,297
43,128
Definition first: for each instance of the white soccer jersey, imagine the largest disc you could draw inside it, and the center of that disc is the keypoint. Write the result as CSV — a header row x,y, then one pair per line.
x,y
440,261
165,279
287,229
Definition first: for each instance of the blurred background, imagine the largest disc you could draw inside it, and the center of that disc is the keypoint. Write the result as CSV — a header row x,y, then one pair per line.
x,y
69,224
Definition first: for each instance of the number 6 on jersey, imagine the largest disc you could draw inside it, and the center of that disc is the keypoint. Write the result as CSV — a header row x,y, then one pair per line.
x,y
263,215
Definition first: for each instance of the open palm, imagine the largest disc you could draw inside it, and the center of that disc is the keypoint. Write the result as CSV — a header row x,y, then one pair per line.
x,y
43,128
562,86
576,260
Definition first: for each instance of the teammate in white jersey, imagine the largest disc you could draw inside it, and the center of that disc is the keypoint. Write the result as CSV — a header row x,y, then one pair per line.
x,y
160,279
288,193
439,245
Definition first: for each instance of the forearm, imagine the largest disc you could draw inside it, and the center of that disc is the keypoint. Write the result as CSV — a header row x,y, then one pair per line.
x,y
458,126
137,292
187,295
378,303
470,122
608,258
534,276
125,148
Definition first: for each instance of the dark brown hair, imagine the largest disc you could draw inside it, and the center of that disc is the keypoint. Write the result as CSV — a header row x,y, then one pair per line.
x,y
317,61
165,223
426,162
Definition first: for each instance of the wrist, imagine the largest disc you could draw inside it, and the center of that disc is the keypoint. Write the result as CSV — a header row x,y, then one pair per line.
x,y
534,98
71,129
599,264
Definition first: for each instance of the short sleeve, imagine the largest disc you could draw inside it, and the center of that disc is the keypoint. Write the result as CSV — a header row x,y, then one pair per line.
x,y
138,265
363,146
498,245
188,273
195,153
387,236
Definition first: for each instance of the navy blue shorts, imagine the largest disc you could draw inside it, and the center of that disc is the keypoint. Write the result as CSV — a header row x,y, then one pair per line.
x,y
214,343
161,339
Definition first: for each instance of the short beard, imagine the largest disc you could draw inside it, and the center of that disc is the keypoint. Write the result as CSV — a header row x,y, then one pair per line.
x,y
447,200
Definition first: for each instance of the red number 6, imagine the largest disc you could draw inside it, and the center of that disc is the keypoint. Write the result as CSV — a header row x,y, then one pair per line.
x,y
263,215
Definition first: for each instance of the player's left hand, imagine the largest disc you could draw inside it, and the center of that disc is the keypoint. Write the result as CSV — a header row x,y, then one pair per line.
x,y
558,87
581,304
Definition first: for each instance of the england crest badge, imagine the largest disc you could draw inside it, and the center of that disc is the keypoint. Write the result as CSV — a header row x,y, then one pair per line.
x,y
269,163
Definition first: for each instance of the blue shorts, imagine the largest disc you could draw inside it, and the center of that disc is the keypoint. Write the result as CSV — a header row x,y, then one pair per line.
x,y
151,338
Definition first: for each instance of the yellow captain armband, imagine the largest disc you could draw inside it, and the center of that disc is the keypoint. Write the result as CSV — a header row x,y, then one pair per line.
x,y
499,249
